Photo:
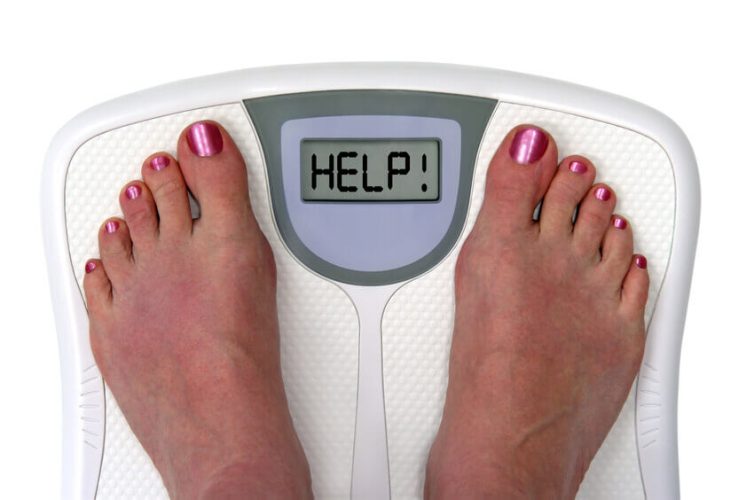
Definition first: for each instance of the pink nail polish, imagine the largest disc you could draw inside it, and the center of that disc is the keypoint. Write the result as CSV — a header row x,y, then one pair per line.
x,y
133,191
529,145
204,139
640,261
602,194
111,226
619,222
90,266
577,167
159,162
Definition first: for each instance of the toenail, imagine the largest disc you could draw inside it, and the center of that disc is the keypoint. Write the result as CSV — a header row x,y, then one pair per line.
x,y
90,266
529,145
640,261
619,222
159,162
602,194
577,167
133,192
111,226
204,139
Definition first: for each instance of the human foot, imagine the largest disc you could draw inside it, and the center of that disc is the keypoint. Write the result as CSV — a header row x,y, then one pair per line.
x,y
183,326
549,330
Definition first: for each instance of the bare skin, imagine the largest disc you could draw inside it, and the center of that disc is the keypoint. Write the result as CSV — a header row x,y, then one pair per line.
x,y
549,333
183,327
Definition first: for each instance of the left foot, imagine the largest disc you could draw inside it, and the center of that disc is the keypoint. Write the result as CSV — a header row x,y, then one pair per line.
x,y
549,330
183,326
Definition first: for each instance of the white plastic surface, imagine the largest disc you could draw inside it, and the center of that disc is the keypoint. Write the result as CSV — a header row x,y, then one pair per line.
x,y
323,408
371,468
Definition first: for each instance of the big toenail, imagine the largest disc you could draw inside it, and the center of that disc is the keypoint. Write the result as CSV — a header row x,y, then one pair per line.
x,y
133,192
90,266
619,222
577,167
159,162
602,194
204,139
641,262
529,145
111,226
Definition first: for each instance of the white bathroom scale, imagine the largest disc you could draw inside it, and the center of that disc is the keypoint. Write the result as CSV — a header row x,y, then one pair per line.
x,y
365,275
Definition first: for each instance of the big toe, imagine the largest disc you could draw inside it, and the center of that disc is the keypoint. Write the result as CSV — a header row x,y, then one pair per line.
x,y
518,177
215,173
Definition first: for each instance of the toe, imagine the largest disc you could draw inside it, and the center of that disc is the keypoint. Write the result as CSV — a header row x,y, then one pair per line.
x,y
617,248
636,286
593,220
97,287
216,174
140,213
518,176
164,178
573,179
115,249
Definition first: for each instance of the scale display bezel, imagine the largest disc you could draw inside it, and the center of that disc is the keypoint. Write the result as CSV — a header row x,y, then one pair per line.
x,y
370,244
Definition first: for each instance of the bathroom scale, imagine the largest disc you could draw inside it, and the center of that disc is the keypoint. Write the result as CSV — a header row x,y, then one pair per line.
x,y
365,275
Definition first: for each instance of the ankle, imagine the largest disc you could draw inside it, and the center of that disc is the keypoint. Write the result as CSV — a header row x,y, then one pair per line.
x,y
470,482
474,481
472,469
242,482
463,469
240,479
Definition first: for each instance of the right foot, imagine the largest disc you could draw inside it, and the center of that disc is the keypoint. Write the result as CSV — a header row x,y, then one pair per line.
x,y
549,330
183,326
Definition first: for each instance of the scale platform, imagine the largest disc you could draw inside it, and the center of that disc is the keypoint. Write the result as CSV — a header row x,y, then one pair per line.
x,y
365,276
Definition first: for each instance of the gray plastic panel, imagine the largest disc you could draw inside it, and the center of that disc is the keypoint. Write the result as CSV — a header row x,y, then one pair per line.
x,y
400,110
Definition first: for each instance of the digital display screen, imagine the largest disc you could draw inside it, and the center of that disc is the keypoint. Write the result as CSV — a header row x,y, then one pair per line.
x,y
370,169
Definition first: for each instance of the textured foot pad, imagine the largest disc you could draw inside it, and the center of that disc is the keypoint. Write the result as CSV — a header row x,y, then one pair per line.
x,y
318,323
418,322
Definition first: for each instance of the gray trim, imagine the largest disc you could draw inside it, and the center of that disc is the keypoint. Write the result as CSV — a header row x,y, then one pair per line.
x,y
269,113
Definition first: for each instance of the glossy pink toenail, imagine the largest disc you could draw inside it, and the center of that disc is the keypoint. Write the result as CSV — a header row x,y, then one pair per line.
x,y
640,261
619,222
529,145
159,162
602,194
577,167
90,266
111,226
133,192
204,139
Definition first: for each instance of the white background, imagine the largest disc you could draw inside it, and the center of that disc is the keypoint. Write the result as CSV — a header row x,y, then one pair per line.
x,y
694,64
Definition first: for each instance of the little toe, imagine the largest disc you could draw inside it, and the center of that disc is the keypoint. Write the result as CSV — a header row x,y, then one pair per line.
x,y
593,220
97,288
115,250
617,248
164,178
573,179
518,176
636,287
140,213
216,174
